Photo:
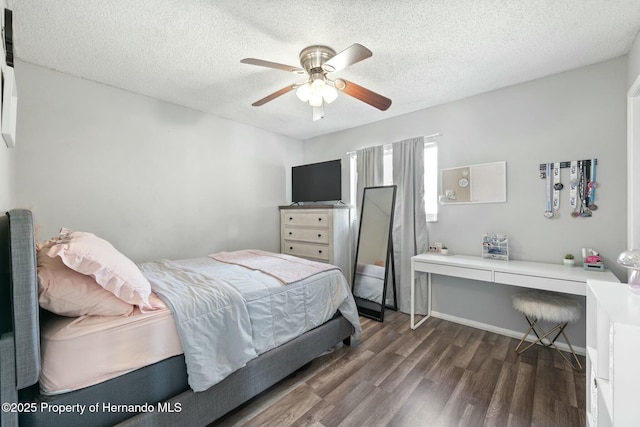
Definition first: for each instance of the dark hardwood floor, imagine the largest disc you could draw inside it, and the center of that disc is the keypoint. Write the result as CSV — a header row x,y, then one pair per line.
x,y
442,374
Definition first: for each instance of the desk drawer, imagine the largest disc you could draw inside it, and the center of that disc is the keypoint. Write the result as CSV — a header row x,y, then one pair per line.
x,y
319,252
462,272
306,235
544,283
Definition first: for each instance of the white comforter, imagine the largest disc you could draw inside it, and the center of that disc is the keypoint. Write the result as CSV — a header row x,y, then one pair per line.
x,y
226,314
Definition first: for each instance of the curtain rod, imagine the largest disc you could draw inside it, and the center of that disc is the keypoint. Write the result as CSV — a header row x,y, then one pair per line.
x,y
433,135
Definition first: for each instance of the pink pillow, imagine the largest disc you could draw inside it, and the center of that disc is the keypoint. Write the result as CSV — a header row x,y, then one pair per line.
x,y
68,293
88,254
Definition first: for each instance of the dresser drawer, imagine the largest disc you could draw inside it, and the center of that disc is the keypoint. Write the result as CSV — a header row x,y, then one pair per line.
x,y
306,219
320,252
306,235
544,283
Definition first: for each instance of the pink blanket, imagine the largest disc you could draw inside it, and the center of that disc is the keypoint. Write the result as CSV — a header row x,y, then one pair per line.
x,y
286,268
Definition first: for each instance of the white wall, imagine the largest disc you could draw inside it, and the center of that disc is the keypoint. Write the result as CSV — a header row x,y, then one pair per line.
x,y
7,194
578,114
634,61
6,178
154,179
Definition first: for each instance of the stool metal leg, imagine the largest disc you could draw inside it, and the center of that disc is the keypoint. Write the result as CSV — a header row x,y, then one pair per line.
x,y
545,335
533,323
575,356
540,339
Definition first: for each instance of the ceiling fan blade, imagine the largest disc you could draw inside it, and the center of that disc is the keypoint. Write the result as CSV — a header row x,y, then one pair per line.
x,y
354,53
318,113
269,64
274,95
363,94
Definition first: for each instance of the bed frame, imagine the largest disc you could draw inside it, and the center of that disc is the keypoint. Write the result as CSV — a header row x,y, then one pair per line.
x,y
162,386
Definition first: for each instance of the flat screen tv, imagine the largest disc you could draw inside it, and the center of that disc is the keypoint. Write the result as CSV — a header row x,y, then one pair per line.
x,y
317,182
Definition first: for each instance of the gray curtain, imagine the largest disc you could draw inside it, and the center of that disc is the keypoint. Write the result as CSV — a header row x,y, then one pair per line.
x,y
370,169
410,223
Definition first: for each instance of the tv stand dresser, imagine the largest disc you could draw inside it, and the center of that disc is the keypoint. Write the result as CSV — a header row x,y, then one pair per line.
x,y
318,233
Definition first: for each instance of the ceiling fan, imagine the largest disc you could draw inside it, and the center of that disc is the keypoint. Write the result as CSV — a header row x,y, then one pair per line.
x,y
318,61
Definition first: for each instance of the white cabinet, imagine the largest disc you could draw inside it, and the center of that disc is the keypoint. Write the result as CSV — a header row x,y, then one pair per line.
x,y
613,355
318,233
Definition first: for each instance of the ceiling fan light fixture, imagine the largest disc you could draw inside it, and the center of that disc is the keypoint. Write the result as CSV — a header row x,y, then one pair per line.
x,y
329,94
318,85
315,100
316,91
304,92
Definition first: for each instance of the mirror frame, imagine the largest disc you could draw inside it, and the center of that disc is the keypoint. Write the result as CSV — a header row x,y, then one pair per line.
x,y
368,308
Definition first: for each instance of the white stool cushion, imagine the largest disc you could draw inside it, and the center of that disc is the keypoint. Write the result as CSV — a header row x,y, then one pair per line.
x,y
547,306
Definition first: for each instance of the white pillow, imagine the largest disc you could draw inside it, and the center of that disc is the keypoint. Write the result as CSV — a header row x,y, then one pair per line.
x,y
90,255
68,293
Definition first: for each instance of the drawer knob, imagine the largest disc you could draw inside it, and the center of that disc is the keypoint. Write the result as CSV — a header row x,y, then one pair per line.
x,y
290,233
290,248
320,251
319,235
290,219
319,219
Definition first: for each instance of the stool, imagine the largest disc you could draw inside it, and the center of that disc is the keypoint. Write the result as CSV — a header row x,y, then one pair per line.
x,y
546,306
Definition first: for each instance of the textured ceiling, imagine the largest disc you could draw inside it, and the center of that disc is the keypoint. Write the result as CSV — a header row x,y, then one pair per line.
x,y
425,53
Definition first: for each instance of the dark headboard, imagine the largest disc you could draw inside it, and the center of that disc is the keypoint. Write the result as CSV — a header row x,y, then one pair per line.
x,y
24,297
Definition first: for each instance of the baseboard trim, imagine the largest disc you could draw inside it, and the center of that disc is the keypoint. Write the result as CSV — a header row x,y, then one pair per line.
x,y
501,331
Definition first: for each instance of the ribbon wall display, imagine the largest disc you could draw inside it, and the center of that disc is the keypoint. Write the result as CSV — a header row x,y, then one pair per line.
x,y
573,185
557,186
582,187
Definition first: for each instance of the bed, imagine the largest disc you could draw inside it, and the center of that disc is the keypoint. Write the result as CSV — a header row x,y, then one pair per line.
x,y
161,392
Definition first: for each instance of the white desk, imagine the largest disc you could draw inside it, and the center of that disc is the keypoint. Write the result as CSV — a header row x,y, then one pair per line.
x,y
525,274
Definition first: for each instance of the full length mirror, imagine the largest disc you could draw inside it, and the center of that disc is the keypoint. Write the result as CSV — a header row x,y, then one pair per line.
x,y
373,254
482,183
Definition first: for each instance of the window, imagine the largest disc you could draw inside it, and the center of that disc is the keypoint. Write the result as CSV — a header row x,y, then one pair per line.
x,y
431,180
430,177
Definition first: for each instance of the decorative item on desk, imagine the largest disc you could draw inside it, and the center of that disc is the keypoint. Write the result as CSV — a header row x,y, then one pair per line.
x,y
495,246
444,250
592,261
631,259
569,260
